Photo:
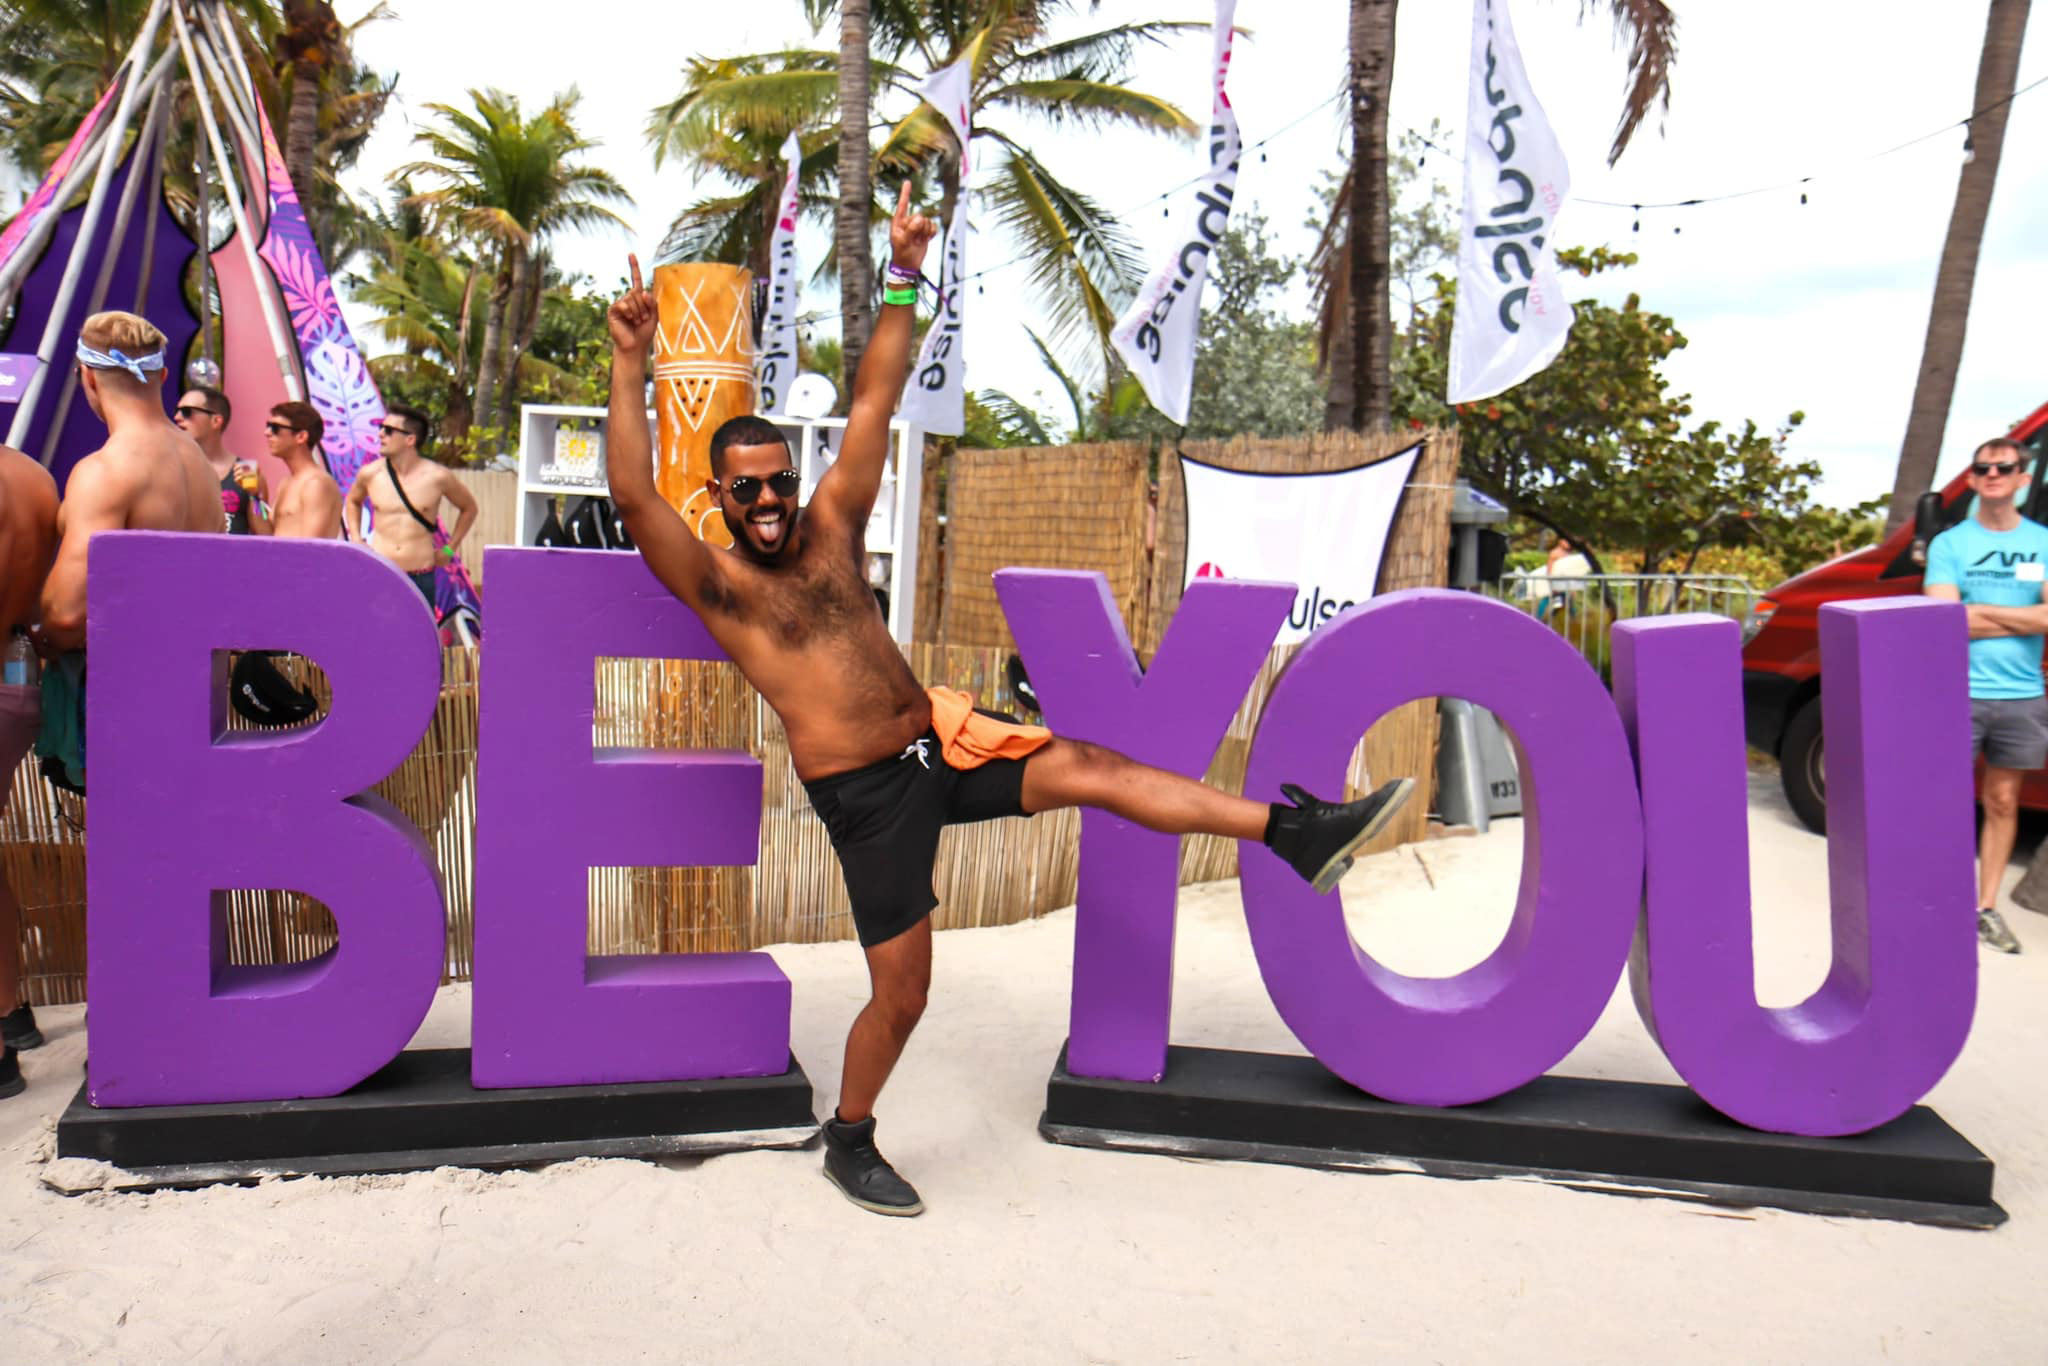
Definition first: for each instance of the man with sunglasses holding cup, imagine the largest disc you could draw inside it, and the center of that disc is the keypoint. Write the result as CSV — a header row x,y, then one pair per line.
x,y
203,413
885,762
1995,562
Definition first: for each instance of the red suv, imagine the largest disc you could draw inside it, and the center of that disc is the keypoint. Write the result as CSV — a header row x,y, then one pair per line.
x,y
1781,639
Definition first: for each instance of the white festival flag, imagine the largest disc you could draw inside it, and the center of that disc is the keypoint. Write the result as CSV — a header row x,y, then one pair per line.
x,y
1323,533
775,362
1157,333
1512,317
937,400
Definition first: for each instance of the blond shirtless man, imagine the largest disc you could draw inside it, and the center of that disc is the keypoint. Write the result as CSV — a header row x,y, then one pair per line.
x,y
150,476
309,505
879,756
405,490
28,543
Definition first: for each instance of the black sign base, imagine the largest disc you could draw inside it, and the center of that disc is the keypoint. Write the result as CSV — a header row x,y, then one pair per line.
x,y
420,1112
1629,1138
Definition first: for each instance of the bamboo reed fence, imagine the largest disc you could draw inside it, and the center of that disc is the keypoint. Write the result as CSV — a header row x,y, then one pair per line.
x,y
1058,507
990,874
497,516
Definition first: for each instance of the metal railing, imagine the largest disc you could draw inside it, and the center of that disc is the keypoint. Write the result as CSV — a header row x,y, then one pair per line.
x,y
1583,608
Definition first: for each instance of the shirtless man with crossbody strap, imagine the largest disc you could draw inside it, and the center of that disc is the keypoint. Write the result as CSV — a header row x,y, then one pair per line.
x,y
885,763
406,512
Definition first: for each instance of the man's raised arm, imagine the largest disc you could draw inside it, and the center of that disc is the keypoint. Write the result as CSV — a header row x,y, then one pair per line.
x,y
677,558
848,489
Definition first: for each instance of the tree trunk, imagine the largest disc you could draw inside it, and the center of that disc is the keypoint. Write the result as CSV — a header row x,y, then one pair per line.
x,y
525,317
856,194
1372,324
310,28
1949,318
1338,408
487,369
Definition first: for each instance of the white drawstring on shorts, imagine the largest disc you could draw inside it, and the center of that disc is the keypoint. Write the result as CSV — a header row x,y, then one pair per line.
x,y
917,747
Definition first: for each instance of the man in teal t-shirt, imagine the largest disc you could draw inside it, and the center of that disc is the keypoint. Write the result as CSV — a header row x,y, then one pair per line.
x,y
1996,563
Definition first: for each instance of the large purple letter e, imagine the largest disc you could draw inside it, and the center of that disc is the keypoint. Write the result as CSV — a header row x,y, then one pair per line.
x,y
550,808
183,809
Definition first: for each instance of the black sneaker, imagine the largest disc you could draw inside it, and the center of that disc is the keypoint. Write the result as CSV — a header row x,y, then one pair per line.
x,y
18,1030
862,1174
11,1083
1318,838
1994,932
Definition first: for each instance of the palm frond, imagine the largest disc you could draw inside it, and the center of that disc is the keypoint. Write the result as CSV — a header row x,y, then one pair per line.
x,y
1651,31
1093,104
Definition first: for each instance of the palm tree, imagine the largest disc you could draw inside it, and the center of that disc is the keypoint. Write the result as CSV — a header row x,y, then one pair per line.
x,y
731,120
1354,284
1083,263
507,182
856,190
1956,278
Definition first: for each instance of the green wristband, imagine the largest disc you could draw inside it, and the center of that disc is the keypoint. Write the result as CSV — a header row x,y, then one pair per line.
x,y
906,295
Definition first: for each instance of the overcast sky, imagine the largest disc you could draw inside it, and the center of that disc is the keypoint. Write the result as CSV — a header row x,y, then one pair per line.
x,y
1821,307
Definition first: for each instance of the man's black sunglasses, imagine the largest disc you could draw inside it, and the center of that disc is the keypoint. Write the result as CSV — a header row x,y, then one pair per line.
x,y
745,488
2006,467
193,410
276,428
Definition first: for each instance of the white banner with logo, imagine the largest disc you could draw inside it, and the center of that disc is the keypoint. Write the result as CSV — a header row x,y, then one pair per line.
x,y
1156,335
775,355
1324,533
1512,318
937,398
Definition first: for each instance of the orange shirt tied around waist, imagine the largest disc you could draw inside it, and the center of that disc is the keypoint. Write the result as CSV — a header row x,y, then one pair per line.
x,y
968,739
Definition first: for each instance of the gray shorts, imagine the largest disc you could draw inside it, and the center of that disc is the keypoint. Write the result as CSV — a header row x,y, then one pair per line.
x,y
2011,732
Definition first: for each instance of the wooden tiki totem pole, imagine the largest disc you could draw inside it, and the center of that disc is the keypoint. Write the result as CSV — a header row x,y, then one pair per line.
x,y
703,374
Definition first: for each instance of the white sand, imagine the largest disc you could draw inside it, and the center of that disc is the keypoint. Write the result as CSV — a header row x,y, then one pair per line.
x,y
1034,1252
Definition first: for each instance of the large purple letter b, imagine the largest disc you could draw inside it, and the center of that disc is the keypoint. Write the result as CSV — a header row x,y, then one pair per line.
x,y
182,809
550,808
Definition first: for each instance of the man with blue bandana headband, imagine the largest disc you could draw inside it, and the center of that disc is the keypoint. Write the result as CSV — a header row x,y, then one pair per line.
x,y
149,476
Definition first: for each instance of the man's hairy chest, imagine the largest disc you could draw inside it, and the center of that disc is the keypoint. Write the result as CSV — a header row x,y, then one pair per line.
x,y
818,597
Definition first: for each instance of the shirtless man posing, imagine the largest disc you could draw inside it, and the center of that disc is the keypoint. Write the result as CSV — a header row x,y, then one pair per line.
x,y
402,535
203,414
309,504
791,607
28,542
148,477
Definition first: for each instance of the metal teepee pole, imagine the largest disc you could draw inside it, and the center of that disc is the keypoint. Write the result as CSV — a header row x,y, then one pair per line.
x,y
281,340
239,116
95,204
145,150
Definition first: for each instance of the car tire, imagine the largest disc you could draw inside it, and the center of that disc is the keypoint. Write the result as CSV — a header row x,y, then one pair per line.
x,y
1802,769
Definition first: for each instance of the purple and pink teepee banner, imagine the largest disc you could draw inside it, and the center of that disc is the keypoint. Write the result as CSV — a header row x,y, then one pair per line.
x,y
39,203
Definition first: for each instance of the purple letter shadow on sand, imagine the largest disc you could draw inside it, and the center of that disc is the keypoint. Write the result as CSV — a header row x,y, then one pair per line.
x,y
550,808
182,809
1172,716
1452,1040
1895,1008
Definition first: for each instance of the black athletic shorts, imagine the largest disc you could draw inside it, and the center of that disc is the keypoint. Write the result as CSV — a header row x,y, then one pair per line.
x,y
885,821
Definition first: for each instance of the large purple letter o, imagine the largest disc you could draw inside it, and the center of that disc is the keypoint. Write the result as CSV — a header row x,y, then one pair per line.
x,y
1455,1040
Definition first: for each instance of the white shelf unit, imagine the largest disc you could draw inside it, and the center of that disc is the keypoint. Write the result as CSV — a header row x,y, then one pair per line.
x,y
892,528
